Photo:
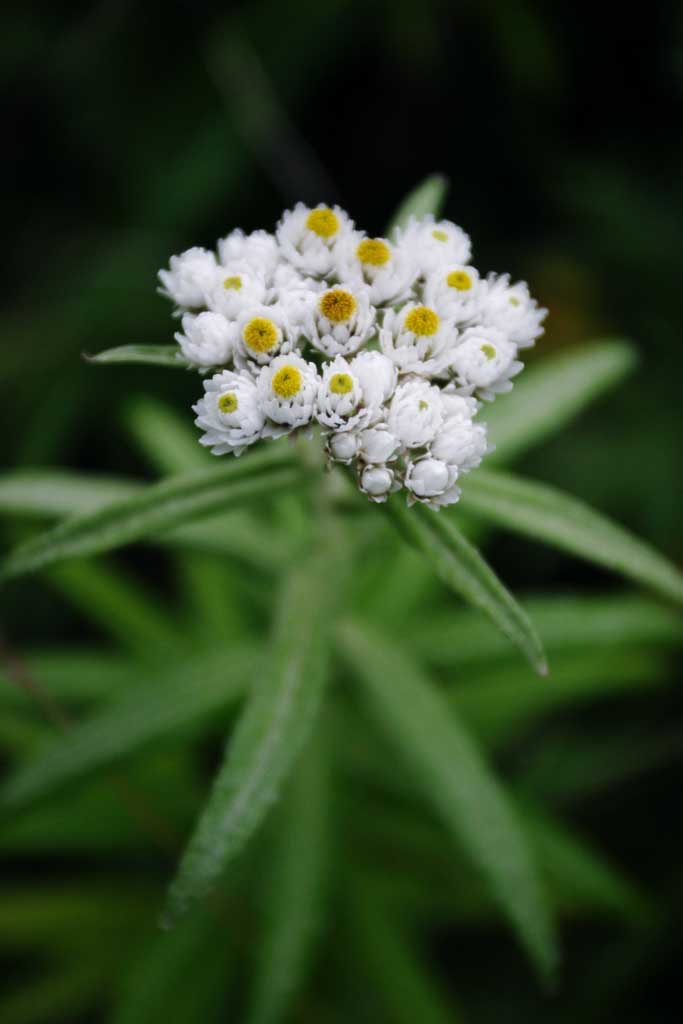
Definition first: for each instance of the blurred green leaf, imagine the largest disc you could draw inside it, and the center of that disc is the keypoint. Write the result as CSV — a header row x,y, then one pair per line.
x,y
500,704
578,875
568,767
552,392
456,781
180,976
294,890
57,493
268,737
405,991
462,568
177,700
570,622
158,507
427,198
64,992
546,514
119,605
166,437
151,355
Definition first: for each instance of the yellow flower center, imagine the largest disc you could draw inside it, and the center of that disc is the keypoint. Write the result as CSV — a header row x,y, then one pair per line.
x,y
439,235
260,334
287,382
422,320
323,222
373,251
422,405
460,280
228,403
341,383
489,351
232,283
338,305
514,301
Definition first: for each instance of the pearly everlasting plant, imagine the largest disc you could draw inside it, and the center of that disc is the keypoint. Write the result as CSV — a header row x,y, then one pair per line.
x,y
389,345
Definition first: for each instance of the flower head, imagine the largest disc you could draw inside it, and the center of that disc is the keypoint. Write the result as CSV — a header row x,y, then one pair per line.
x,y
189,277
287,390
208,339
229,413
389,344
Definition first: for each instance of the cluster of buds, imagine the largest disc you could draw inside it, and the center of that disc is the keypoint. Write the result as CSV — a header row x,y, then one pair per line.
x,y
390,345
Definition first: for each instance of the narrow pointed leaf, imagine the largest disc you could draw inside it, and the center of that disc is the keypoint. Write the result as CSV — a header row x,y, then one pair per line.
x,y
156,508
48,493
267,739
427,198
553,391
293,891
547,514
174,702
462,568
564,622
456,780
150,355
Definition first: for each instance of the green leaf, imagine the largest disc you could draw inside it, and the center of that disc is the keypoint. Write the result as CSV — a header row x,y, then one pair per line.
x,y
119,605
405,988
456,781
56,493
577,874
168,440
179,976
564,622
293,890
551,392
427,198
268,736
502,703
544,513
461,567
156,508
173,702
150,355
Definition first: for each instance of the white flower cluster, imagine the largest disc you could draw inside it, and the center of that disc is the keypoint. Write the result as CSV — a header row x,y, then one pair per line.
x,y
389,344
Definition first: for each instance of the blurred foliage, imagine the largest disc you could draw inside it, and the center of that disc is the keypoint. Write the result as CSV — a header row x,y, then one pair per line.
x,y
148,128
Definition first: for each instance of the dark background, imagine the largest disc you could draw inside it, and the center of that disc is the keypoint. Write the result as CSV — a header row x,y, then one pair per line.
x,y
132,131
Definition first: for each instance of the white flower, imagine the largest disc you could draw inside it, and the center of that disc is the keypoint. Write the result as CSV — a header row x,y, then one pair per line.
x,y
432,244
377,376
263,332
377,445
229,413
377,482
417,340
191,274
460,443
485,360
308,238
259,250
458,407
432,482
208,340
416,413
454,291
340,398
237,286
387,273
510,308
287,390
342,447
341,320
